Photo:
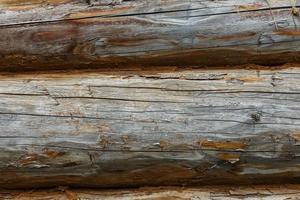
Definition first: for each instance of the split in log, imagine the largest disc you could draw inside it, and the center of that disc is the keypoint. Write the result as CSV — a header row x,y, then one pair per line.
x,y
147,129
263,192
60,34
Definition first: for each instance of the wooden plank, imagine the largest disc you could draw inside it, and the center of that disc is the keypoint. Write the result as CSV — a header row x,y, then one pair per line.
x,y
130,129
64,34
260,192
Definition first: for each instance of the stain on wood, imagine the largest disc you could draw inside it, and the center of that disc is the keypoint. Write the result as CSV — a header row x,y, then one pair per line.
x,y
223,145
229,157
53,154
289,32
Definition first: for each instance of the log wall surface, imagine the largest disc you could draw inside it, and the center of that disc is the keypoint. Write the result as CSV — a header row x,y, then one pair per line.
x,y
261,192
150,128
60,34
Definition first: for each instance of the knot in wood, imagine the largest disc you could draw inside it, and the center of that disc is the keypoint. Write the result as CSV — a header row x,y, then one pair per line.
x,y
256,117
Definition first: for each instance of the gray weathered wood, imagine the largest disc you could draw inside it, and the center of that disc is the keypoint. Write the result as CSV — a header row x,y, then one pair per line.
x,y
150,128
86,33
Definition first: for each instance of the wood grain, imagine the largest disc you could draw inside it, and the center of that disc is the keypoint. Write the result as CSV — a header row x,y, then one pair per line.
x,y
61,34
150,128
258,192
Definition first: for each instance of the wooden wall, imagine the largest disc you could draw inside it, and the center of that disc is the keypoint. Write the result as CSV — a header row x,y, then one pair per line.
x,y
261,192
130,129
60,34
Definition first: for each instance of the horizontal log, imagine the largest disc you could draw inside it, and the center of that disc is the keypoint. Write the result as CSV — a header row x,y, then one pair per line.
x,y
132,129
60,34
261,192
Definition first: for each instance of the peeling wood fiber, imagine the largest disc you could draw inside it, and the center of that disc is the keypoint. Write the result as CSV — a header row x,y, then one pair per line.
x,y
164,128
61,34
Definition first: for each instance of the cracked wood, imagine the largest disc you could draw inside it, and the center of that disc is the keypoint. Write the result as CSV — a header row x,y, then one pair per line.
x,y
131,129
60,34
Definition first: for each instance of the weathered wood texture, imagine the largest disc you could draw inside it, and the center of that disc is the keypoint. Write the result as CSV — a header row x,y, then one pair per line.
x,y
262,192
39,34
167,128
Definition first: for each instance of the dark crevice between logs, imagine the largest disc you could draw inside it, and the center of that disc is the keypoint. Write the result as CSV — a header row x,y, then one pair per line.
x,y
201,59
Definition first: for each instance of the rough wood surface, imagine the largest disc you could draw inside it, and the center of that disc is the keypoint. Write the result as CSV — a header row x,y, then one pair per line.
x,y
163,128
262,192
40,34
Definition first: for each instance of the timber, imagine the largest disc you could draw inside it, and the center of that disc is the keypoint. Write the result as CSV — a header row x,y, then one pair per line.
x,y
63,34
259,192
124,94
132,129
